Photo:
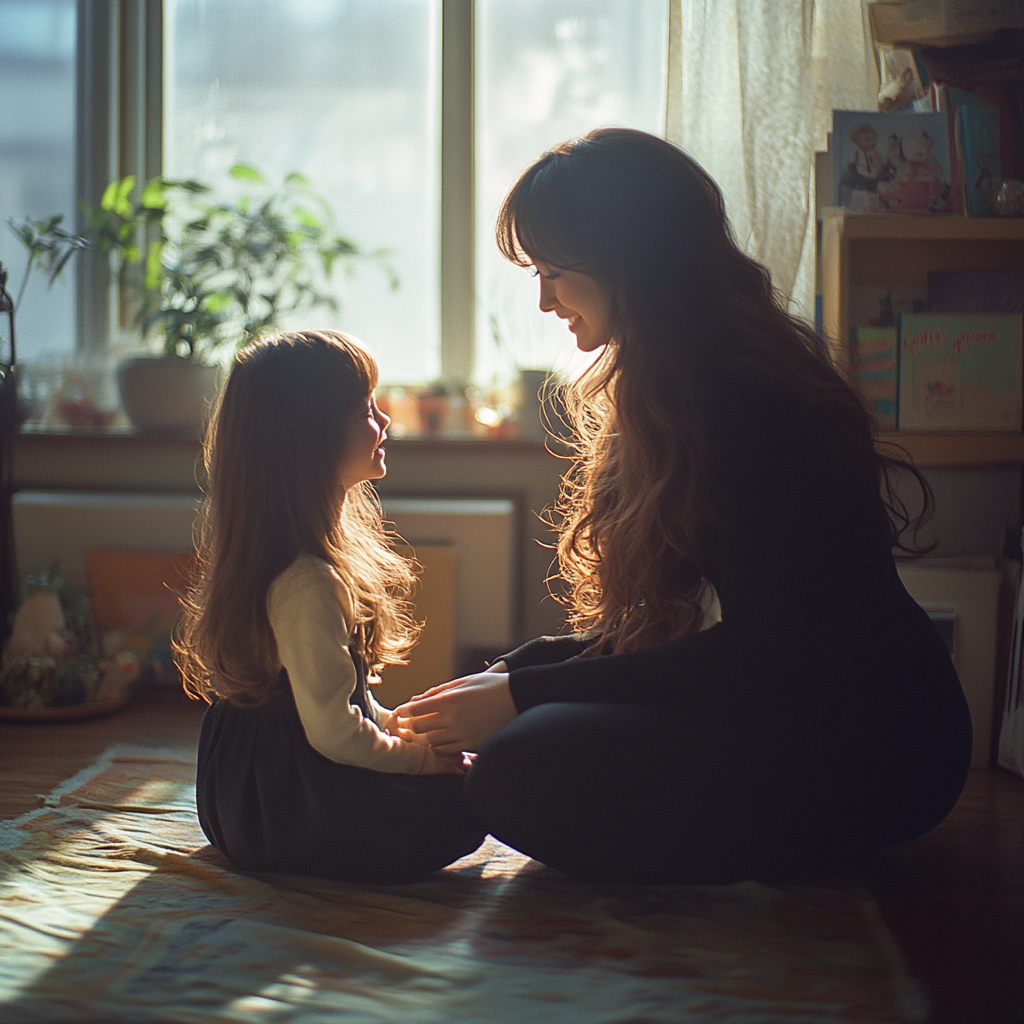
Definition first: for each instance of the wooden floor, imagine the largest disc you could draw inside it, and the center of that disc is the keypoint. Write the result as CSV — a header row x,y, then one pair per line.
x,y
954,899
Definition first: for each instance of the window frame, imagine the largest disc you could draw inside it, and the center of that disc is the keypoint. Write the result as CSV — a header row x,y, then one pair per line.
x,y
119,131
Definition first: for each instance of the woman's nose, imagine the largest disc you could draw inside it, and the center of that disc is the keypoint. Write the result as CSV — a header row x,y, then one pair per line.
x,y
547,296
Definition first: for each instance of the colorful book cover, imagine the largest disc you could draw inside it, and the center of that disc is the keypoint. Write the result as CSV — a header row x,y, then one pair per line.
x,y
978,121
873,362
895,163
960,371
938,96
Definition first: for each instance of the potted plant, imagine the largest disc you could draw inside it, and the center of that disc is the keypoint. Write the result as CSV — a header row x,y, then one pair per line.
x,y
434,402
203,276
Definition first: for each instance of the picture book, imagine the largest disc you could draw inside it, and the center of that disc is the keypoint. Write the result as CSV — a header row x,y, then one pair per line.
x,y
977,134
873,362
894,163
938,100
960,371
135,594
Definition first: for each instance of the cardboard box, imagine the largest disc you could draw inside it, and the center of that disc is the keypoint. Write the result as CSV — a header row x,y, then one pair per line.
x,y
941,22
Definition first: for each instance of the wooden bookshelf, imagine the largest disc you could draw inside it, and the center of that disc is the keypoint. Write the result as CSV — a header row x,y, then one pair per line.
x,y
864,249
959,449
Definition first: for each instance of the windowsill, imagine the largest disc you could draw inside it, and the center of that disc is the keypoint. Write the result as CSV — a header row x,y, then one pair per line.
x,y
87,435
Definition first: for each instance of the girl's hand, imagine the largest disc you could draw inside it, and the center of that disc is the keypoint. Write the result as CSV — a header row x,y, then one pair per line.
x,y
458,715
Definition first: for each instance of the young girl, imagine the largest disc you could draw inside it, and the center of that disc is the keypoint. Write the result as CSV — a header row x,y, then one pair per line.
x,y
299,598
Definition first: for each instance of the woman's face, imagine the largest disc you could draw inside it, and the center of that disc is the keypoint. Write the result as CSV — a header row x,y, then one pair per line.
x,y
579,299
364,456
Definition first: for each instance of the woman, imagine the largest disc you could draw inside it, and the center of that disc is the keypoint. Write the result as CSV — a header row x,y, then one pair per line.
x,y
719,453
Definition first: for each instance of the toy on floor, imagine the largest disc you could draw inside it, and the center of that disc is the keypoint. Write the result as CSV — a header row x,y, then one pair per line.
x,y
53,657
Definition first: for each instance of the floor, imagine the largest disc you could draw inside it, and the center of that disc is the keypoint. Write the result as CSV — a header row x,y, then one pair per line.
x,y
954,898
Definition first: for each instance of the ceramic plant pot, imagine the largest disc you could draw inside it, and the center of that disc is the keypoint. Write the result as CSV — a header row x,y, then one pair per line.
x,y
167,392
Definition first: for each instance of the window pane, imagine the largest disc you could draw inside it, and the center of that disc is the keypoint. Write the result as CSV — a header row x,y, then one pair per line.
x,y
346,92
548,70
37,159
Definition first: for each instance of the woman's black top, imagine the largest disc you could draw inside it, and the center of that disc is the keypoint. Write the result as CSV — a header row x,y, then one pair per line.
x,y
820,644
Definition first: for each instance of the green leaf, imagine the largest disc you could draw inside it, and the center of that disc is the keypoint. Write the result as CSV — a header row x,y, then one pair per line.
x,y
243,172
109,197
154,266
153,197
115,196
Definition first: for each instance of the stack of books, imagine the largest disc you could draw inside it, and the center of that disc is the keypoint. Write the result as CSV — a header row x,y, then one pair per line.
x,y
952,361
943,153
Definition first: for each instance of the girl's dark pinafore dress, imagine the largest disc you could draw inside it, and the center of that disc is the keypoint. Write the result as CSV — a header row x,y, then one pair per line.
x,y
270,802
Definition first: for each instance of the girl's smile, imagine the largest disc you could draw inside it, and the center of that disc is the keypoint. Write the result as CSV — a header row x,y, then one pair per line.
x,y
580,300
364,453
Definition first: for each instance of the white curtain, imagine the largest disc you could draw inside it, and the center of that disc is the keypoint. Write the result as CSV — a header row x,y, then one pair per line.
x,y
751,88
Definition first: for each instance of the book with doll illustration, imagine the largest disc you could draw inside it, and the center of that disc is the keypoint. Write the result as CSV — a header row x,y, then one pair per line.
x,y
960,371
891,163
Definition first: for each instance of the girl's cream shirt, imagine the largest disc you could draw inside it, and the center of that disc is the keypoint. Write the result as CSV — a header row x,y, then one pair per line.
x,y
306,605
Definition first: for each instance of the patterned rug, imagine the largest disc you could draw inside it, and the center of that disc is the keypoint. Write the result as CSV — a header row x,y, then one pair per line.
x,y
113,908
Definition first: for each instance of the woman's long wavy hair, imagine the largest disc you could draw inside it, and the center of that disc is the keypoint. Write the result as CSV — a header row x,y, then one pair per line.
x,y
646,221
272,457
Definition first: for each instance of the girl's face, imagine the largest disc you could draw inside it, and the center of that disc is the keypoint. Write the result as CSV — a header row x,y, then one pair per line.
x,y
579,299
364,454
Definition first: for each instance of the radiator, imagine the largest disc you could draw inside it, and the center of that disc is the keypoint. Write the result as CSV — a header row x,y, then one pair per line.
x,y
62,525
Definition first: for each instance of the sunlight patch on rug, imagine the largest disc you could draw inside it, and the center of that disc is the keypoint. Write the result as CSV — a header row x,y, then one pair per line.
x,y
113,907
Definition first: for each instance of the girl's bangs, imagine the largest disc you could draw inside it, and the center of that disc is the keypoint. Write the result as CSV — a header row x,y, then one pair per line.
x,y
366,367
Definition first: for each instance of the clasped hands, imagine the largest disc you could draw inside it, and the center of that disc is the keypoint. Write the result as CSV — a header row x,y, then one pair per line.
x,y
458,715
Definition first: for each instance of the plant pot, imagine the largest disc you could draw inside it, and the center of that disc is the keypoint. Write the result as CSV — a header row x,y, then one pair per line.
x,y
167,392
434,413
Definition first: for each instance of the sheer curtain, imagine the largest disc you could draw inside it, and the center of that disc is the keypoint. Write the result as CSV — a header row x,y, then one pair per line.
x,y
751,88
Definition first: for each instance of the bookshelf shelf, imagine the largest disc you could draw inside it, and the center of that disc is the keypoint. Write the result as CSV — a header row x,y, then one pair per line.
x,y
866,226
960,449
859,249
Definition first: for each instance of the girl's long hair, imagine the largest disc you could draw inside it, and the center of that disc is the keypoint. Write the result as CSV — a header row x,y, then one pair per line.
x,y
647,222
272,457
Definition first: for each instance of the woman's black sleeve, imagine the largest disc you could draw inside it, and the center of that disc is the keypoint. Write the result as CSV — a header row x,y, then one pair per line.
x,y
545,650
656,675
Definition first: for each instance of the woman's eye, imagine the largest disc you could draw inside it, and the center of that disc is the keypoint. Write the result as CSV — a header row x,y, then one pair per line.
x,y
537,272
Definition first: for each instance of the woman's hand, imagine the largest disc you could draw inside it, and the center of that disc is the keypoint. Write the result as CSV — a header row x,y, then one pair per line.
x,y
458,715
449,764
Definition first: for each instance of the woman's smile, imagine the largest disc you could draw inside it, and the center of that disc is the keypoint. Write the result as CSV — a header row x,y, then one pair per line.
x,y
578,299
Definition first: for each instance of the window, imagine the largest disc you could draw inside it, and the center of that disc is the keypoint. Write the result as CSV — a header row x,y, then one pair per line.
x,y
547,70
346,93
412,116
37,156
